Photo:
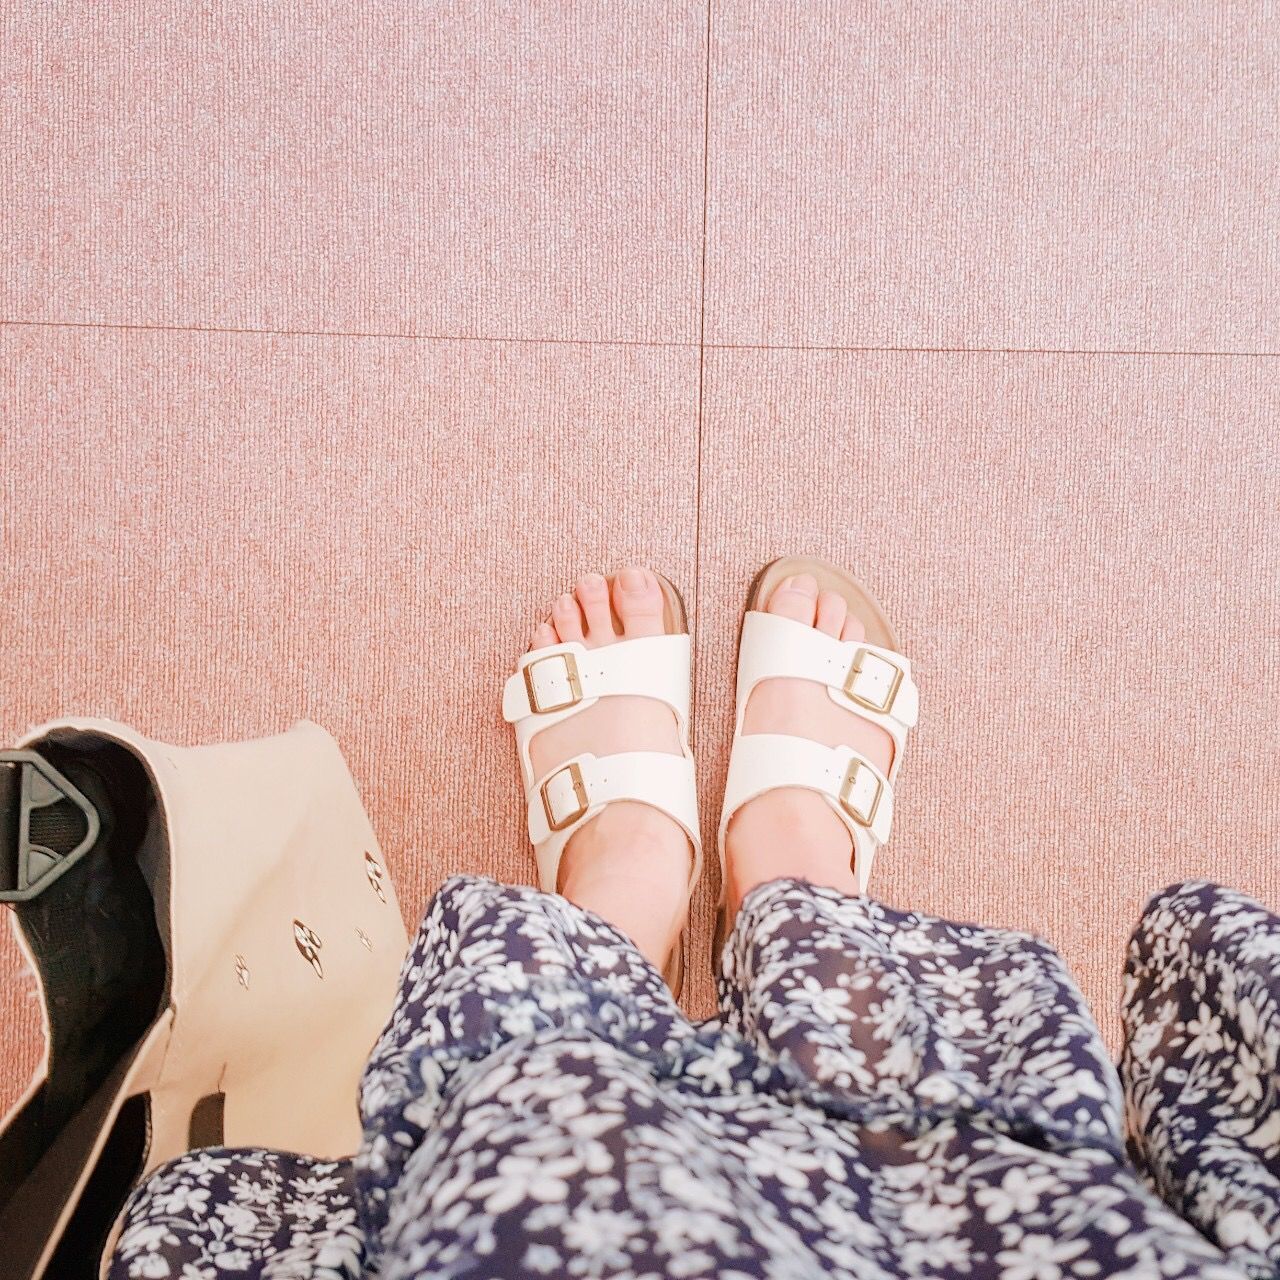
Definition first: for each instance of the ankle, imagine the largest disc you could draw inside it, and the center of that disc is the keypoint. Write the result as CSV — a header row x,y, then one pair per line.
x,y
635,834
786,821
789,833
631,865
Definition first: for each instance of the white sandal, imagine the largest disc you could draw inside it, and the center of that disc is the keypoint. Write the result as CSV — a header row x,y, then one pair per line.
x,y
561,680
868,677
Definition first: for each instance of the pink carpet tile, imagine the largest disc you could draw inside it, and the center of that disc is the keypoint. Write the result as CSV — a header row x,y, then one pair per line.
x,y
1075,175
526,171
1080,556
229,532
532,289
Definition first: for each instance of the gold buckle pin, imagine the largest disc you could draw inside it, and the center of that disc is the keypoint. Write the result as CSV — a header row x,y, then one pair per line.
x,y
571,675
579,793
864,818
855,670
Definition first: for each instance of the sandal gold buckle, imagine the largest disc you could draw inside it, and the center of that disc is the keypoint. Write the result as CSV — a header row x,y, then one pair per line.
x,y
883,706
572,678
574,770
864,817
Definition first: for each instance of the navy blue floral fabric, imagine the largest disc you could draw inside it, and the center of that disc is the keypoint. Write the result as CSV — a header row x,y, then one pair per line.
x,y
884,1094
1200,1072
215,1214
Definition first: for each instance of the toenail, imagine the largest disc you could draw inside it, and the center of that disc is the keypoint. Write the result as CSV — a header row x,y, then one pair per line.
x,y
633,580
593,581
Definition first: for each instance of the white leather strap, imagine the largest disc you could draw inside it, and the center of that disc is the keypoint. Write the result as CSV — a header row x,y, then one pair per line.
x,y
859,794
577,790
564,675
558,682
562,680
866,679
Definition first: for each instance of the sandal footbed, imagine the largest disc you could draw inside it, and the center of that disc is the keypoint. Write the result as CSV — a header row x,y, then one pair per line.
x,y
862,604
675,621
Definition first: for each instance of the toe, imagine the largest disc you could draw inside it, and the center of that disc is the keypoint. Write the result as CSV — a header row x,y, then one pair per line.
x,y
567,618
638,600
544,635
853,629
593,596
796,598
831,612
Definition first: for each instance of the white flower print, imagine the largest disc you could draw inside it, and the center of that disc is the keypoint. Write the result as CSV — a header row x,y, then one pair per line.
x,y
829,1004
527,1178
1246,1077
952,981
1205,1032
543,1259
885,1095
1038,1257
151,1266
1016,1195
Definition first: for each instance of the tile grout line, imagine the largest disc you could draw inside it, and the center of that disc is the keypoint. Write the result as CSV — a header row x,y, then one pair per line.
x,y
701,346
702,336
339,333
872,349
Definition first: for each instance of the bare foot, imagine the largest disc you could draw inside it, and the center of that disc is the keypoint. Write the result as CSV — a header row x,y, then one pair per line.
x,y
630,863
793,832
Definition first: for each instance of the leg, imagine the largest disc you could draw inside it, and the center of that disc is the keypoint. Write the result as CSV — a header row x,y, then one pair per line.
x,y
874,1002
630,864
982,1097
899,1012
793,832
1202,1038
243,1215
570,1156
496,968
965,1058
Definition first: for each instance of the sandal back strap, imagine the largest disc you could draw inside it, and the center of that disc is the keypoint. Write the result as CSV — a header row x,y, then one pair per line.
x,y
574,792
857,792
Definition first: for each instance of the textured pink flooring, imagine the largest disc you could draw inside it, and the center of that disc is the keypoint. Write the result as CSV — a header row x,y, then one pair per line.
x,y
529,170
334,342
1066,175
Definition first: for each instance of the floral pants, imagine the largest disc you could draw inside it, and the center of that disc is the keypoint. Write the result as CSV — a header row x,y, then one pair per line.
x,y
884,1094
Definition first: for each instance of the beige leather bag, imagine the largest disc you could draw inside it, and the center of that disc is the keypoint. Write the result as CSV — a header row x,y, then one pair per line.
x,y
217,944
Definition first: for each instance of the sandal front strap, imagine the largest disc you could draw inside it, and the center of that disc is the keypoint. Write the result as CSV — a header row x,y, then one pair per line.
x,y
867,679
559,678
